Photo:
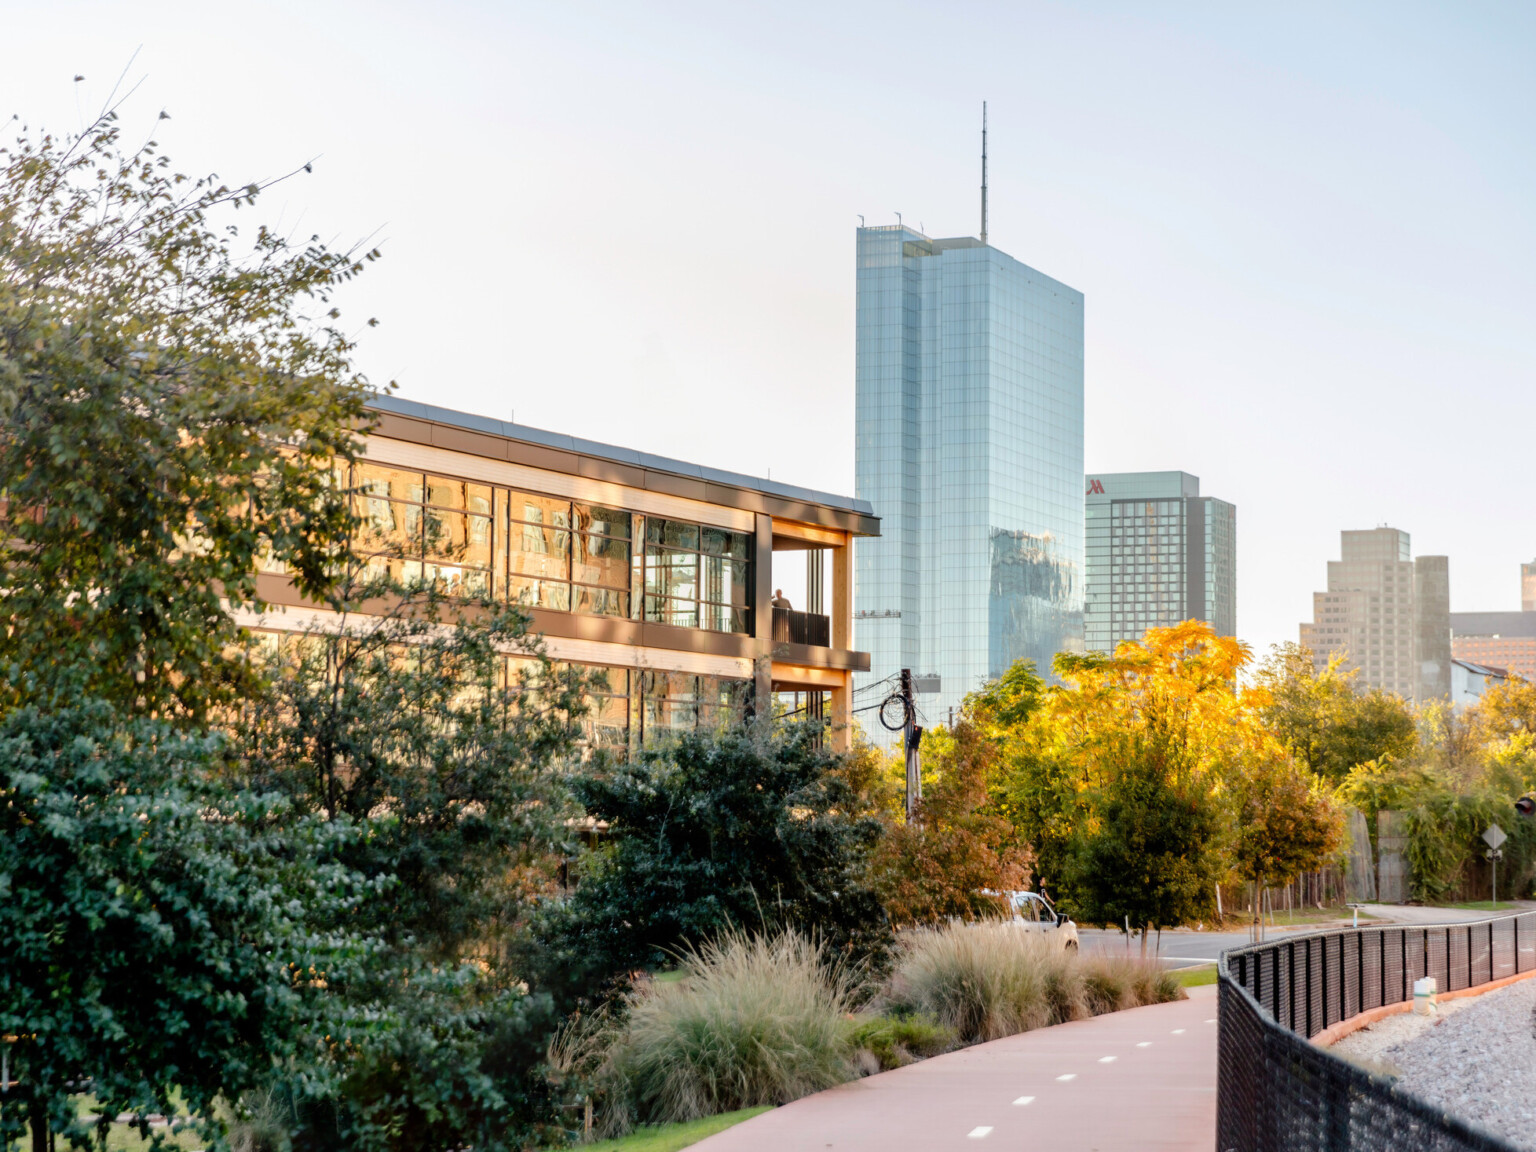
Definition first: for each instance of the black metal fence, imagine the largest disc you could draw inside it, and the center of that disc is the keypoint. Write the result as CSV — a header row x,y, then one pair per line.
x,y
1275,1091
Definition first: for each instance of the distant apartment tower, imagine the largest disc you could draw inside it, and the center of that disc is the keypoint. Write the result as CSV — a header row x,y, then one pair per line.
x,y
1389,614
1501,639
969,425
1157,553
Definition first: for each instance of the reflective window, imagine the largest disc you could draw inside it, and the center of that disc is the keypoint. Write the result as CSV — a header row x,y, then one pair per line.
x,y
421,527
697,577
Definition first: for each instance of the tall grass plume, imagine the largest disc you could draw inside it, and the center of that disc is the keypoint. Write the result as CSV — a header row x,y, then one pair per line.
x,y
990,980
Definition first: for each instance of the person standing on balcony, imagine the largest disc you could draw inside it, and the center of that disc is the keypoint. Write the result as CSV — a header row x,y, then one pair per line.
x,y
780,600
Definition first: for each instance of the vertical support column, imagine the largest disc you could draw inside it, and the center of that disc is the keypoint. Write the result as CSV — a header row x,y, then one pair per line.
x,y
842,715
815,598
841,606
762,613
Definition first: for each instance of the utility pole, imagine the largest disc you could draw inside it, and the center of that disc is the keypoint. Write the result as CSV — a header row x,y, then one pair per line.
x,y
911,737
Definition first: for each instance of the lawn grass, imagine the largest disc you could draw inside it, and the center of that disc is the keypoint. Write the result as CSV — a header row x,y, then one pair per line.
x,y
1295,917
1195,977
126,1138
1486,906
671,1137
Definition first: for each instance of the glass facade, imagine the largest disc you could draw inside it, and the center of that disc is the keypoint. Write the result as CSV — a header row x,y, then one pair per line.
x,y
547,552
969,417
629,707
1158,553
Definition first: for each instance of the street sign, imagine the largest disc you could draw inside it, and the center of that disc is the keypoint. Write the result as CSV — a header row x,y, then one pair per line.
x,y
1494,836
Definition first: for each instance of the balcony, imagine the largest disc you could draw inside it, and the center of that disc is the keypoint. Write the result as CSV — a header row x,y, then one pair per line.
x,y
791,627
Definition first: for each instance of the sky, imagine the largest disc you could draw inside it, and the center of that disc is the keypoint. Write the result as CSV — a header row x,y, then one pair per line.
x,y
1303,231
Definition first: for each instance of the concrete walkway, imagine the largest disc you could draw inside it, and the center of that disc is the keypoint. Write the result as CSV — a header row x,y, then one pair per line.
x,y
1143,1080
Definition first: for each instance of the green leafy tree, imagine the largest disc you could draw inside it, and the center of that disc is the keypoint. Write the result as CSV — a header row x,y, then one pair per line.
x,y
173,393
746,829
1325,722
433,725
1286,824
1152,853
157,925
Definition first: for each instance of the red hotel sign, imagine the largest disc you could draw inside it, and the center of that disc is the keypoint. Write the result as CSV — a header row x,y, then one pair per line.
x,y
1095,488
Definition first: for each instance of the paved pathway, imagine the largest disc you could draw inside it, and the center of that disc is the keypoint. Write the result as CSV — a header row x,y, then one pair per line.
x,y
1143,1080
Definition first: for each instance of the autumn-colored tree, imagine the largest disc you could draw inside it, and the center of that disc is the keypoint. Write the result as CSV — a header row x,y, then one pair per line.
x,y
961,851
1508,709
1151,733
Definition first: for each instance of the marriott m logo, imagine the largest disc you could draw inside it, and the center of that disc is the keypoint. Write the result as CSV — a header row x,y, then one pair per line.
x,y
1095,488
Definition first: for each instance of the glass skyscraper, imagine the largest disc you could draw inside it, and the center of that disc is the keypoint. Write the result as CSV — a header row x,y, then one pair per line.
x,y
970,448
1159,553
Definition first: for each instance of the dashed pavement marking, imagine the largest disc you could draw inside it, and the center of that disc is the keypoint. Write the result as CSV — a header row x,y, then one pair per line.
x,y
1144,1044
980,1133
1178,1031
1025,1100
1067,1076
1106,1059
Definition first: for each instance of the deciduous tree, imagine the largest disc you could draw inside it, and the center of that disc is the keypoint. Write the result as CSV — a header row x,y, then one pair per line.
x,y
173,392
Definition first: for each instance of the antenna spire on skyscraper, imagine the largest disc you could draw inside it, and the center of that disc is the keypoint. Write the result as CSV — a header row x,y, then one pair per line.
x,y
983,171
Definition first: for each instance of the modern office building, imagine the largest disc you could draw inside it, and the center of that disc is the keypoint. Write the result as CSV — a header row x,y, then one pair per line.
x,y
1501,639
655,571
1158,553
1387,613
969,411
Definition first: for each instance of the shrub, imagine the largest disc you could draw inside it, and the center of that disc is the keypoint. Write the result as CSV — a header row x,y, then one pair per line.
x,y
755,1020
986,981
894,1041
750,827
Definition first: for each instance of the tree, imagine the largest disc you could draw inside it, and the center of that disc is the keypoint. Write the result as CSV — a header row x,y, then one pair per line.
x,y
1325,722
408,722
434,727
1150,734
170,407
959,853
1286,824
748,828
157,927
1151,854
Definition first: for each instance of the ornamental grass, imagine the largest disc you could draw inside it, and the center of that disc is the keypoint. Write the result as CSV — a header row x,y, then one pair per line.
x,y
990,980
754,1020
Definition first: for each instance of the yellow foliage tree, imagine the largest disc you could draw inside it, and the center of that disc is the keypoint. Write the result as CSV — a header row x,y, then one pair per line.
x,y
1130,780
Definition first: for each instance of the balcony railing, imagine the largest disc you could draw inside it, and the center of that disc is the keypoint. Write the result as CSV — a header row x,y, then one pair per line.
x,y
791,627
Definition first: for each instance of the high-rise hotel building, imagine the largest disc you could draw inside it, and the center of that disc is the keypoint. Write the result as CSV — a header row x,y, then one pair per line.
x,y
1158,553
969,410
1388,614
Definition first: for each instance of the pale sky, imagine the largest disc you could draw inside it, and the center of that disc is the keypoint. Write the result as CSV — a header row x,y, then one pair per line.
x,y
1303,231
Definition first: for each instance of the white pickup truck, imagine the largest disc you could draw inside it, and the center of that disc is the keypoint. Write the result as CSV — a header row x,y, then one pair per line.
x,y
1032,912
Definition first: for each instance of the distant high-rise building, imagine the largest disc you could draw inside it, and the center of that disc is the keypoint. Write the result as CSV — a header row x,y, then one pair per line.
x,y
969,417
1390,615
1501,639
1158,553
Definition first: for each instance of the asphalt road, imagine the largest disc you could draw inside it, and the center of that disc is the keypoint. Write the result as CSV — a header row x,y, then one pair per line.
x,y
1178,949
1184,948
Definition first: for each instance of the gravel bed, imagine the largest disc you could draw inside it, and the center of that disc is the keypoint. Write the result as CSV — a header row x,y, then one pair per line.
x,y
1476,1059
